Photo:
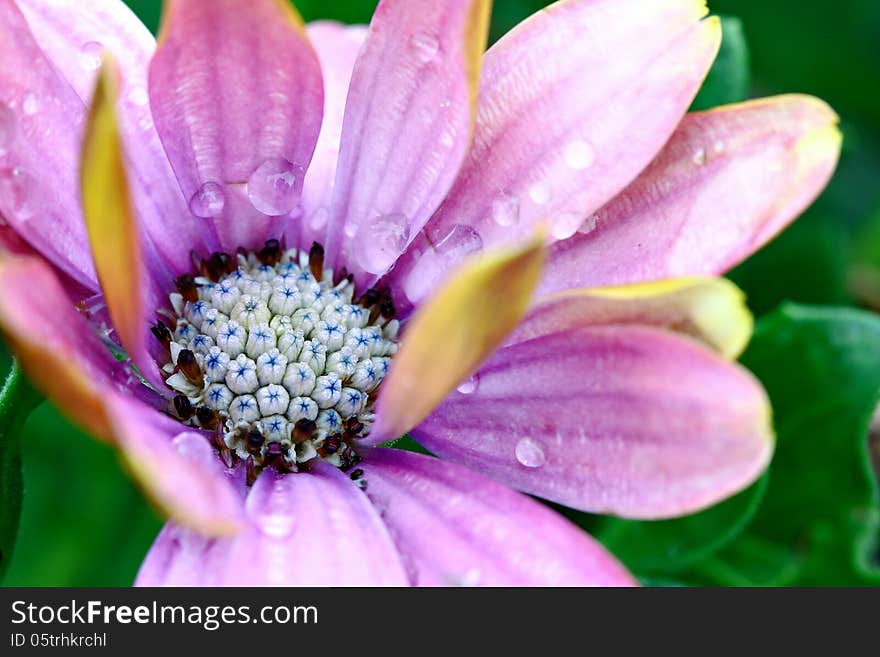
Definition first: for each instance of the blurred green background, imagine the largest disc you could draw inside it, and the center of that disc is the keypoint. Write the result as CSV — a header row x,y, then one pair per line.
x,y
83,523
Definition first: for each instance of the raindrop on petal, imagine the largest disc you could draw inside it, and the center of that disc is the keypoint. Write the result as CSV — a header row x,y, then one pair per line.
x,y
90,55
30,104
579,155
460,242
275,187
319,218
591,223
380,241
539,193
425,45
566,224
530,453
470,385
208,201
505,209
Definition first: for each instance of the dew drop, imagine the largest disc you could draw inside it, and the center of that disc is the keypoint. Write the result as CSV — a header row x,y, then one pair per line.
x,y
589,225
138,96
319,218
460,242
90,55
530,453
539,193
380,241
208,201
275,187
566,224
425,45
579,155
470,385
7,128
30,104
425,273
505,209
700,157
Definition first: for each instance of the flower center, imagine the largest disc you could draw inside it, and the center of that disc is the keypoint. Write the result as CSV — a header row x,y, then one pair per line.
x,y
271,352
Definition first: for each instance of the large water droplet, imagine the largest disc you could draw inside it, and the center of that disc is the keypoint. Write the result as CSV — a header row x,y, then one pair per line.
x,y
380,241
579,154
208,201
470,385
566,224
424,274
30,104
7,128
539,193
589,225
530,453
16,189
90,55
275,187
460,242
505,209
425,45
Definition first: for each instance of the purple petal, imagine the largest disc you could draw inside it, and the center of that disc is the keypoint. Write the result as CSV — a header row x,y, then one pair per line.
x,y
337,46
40,124
626,420
456,528
235,91
573,104
73,36
180,557
727,182
407,127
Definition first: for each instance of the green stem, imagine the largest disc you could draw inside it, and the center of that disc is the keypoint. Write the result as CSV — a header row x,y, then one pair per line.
x,y
17,400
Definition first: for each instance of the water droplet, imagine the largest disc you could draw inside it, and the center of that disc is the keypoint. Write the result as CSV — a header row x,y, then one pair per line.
x,y
589,225
7,128
15,192
530,453
470,385
460,242
505,209
425,273
700,157
579,155
425,45
566,224
30,104
539,193
380,241
275,187
208,201
90,55
319,218
138,96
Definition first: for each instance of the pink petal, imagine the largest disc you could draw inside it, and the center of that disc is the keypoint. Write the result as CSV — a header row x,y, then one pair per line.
x,y
573,104
40,118
235,91
177,467
58,349
337,47
307,529
73,36
626,420
727,182
457,528
407,127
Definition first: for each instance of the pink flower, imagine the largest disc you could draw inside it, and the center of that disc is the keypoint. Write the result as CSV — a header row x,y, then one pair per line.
x,y
385,159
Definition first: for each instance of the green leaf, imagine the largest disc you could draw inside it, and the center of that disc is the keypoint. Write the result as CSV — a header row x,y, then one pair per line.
x,y
17,400
664,547
83,522
818,522
729,79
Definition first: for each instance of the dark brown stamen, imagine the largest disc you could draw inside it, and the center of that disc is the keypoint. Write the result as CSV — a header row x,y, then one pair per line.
x,y
162,334
187,288
370,298
332,444
316,261
187,363
386,306
356,474
183,407
303,430
251,470
254,441
208,418
271,253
